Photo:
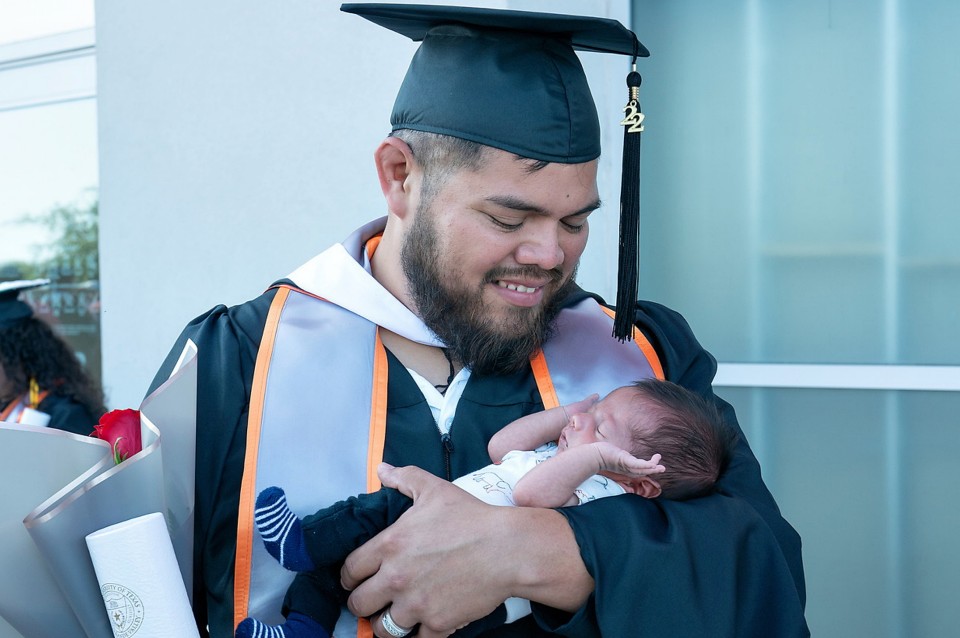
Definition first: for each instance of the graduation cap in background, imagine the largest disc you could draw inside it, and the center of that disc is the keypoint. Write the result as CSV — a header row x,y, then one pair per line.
x,y
511,80
12,310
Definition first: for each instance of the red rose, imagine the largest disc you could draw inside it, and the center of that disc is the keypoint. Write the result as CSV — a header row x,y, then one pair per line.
x,y
121,429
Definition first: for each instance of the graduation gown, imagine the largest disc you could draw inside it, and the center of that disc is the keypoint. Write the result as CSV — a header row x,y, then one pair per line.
x,y
724,565
66,414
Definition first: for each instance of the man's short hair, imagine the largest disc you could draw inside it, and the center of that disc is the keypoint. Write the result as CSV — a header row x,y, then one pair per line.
x,y
442,156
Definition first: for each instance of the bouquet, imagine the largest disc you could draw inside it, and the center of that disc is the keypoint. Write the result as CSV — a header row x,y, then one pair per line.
x,y
70,486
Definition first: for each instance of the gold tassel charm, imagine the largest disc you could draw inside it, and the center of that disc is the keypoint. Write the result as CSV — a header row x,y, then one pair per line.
x,y
634,117
34,394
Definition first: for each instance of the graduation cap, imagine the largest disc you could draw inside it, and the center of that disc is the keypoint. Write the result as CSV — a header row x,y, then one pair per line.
x,y
12,310
511,80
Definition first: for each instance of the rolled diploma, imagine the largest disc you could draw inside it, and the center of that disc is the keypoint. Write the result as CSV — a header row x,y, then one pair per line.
x,y
140,581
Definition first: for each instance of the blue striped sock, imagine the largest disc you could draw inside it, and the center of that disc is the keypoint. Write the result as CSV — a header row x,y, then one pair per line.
x,y
281,532
250,628
297,626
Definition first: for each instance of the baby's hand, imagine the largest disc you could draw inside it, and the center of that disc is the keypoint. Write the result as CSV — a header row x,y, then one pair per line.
x,y
615,459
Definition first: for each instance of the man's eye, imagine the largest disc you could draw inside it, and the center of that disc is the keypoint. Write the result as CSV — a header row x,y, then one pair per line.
x,y
574,228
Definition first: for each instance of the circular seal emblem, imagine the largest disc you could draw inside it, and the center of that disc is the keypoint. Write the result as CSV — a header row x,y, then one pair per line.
x,y
124,608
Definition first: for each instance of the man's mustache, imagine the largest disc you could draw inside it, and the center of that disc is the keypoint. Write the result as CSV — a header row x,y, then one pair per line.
x,y
554,275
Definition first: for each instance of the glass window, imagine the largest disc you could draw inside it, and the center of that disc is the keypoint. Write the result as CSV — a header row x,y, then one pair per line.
x,y
799,195
799,178
48,216
868,480
27,19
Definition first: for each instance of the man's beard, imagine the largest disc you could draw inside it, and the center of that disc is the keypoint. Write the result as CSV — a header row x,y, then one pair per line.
x,y
458,315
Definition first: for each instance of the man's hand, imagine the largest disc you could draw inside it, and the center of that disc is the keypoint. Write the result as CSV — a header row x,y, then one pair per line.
x,y
451,559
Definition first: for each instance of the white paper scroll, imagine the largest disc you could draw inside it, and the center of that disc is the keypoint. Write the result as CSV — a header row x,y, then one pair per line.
x,y
140,581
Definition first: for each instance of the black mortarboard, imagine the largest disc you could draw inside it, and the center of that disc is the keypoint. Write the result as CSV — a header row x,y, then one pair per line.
x,y
511,80
12,310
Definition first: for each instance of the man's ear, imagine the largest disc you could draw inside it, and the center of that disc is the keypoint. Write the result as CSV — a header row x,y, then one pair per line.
x,y
644,486
397,171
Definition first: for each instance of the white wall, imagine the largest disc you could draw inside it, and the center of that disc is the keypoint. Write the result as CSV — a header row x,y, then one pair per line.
x,y
236,141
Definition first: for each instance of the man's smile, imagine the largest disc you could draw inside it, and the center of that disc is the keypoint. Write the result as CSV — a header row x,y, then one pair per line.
x,y
517,287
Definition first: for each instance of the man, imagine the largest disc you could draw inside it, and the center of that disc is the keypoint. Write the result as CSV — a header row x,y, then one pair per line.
x,y
422,335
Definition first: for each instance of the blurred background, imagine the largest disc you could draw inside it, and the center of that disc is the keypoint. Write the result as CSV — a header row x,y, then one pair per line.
x,y
799,190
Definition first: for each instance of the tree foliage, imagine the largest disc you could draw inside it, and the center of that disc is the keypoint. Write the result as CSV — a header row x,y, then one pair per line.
x,y
72,255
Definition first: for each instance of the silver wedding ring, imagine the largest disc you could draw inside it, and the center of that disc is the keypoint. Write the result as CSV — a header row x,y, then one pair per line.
x,y
393,628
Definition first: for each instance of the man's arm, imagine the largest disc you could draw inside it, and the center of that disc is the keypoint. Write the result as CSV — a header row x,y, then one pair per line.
x,y
533,430
727,564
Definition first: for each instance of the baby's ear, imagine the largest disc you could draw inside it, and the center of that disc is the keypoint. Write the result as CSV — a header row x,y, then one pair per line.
x,y
643,486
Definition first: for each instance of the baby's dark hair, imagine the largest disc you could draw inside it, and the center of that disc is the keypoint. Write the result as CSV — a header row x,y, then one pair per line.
x,y
690,434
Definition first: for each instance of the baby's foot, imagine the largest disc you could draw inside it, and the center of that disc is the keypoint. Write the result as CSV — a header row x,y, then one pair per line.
x,y
281,531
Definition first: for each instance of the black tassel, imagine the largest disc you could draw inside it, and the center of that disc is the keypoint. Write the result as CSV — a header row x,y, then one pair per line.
x,y
628,275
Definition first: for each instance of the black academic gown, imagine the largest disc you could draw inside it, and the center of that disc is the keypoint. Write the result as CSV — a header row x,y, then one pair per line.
x,y
67,414
724,565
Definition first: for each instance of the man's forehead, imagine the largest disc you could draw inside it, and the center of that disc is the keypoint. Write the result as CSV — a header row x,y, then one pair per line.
x,y
512,182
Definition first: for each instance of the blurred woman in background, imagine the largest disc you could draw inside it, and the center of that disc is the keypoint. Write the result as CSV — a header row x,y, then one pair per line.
x,y
41,380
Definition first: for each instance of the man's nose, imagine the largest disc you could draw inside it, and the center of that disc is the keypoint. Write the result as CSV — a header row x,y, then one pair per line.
x,y
541,248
